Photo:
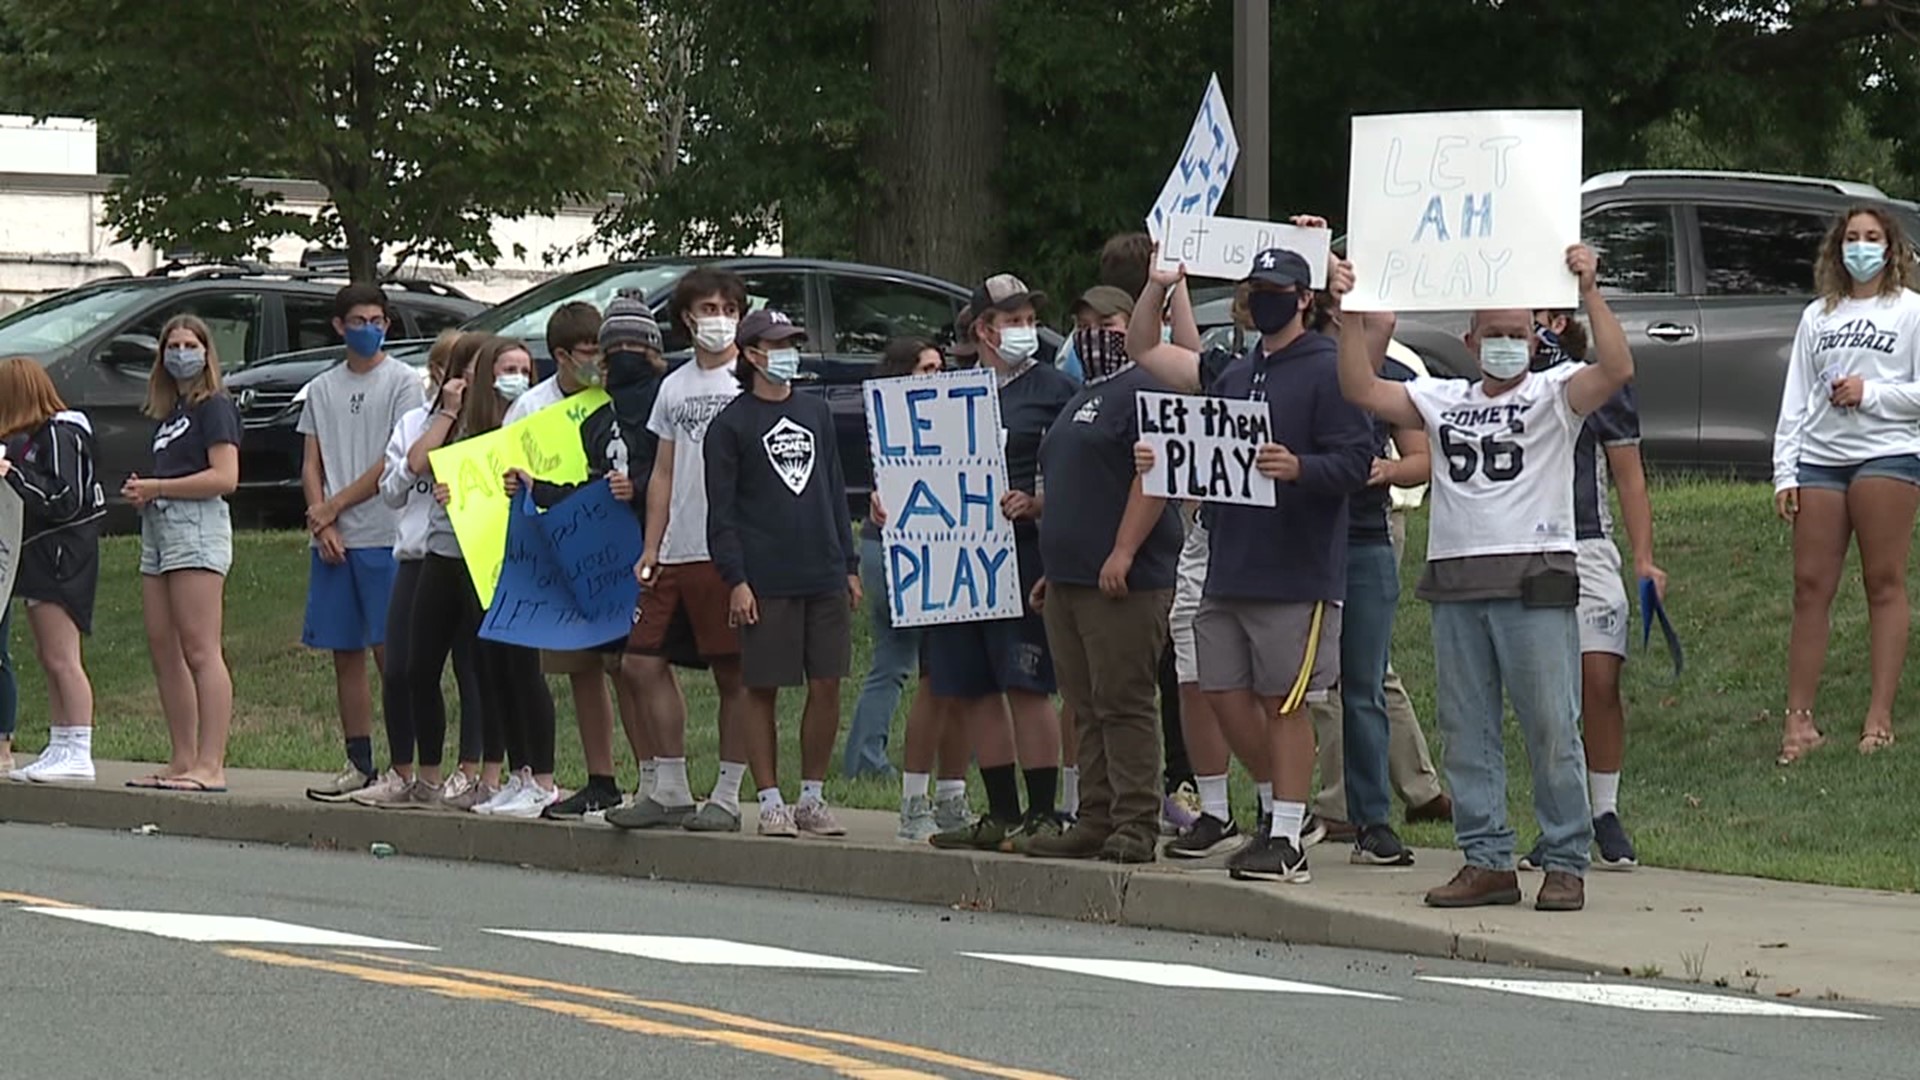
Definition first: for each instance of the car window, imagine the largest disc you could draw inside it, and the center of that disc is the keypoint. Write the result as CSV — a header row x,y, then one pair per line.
x,y
1635,245
784,291
429,322
1752,250
233,318
309,321
524,317
63,317
869,312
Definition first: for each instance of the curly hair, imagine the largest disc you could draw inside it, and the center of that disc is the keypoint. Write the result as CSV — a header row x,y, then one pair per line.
x,y
1830,278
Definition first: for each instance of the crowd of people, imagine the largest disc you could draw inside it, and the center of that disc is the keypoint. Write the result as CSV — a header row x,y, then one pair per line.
x,y
1157,642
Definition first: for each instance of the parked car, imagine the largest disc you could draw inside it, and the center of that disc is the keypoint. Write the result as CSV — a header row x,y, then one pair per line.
x,y
98,340
1708,273
850,312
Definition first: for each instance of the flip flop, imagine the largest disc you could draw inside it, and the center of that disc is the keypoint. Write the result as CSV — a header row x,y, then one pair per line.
x,y
154,782
188,784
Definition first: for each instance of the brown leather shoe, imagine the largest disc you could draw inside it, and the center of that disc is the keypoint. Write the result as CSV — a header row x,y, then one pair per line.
x,y
1438,808
1340,832
1561,892
1078,842
1476,886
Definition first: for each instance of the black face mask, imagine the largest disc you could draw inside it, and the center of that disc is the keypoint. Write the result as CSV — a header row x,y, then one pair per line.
x,y
1272,311
625,367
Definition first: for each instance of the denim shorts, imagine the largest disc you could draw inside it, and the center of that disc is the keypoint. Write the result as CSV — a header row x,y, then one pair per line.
x,y
1903,467
185,534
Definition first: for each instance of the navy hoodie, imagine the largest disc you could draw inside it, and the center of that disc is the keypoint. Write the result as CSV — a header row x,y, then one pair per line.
x,y
1296,550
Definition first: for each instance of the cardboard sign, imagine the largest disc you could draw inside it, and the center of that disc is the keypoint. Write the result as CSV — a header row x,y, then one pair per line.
x,y
1464,211
1203,448
1199,176
1219,247
546,445
566,578
940,469
12,520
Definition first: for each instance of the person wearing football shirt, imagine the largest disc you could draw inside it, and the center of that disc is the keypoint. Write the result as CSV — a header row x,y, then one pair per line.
x,y
1503,581
1609,446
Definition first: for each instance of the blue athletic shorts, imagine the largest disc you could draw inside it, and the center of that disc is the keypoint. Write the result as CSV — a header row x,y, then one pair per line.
x,y
347,604
981,659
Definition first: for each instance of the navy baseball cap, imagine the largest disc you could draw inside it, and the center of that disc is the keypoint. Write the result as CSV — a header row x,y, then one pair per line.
x,y
767,325
1278,266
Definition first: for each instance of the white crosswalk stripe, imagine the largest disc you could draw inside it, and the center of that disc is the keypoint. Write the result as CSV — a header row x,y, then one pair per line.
x,y
222,929
1179,976
706,951
1648,998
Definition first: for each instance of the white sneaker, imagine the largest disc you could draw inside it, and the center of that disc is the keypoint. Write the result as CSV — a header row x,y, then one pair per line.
x,y
59,765
507,793
458,784
528,802
19,773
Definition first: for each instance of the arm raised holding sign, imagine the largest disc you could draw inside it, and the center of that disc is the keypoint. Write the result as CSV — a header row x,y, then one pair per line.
x,y
1598,381
1175,365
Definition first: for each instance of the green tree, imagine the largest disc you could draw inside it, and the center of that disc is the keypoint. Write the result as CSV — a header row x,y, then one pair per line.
x,y
424,119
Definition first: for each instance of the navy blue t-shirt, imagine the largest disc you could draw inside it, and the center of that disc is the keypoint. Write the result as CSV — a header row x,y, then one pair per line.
x,y
1028,407
184,441
1368,508
1087,460
1616,423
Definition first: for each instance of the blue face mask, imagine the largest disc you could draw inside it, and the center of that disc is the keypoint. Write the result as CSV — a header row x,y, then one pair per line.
x,y
783,365
1865,259
365,340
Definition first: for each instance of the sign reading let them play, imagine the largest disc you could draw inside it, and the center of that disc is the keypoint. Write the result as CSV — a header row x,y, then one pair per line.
x,y
1204,447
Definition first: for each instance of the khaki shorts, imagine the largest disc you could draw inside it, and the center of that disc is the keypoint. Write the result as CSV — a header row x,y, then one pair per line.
x,y
1263,646
579,662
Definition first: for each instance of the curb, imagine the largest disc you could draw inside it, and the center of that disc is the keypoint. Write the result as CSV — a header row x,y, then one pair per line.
x,y
1179,901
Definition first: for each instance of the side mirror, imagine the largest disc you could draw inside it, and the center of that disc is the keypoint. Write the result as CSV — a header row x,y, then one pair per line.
x,y
129,351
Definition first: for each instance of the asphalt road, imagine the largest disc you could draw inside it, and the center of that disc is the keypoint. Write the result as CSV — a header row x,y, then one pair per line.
x,y
156,969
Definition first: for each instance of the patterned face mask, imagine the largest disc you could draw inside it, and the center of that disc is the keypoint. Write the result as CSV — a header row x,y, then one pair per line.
x,y
1101,352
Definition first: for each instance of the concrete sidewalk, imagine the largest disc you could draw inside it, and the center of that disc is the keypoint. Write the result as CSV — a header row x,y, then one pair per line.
x,y
1747,934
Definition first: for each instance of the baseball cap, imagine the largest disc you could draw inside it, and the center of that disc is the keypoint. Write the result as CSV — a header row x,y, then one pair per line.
x,y
1004,292
767,325
963,341
1104,300
1278,266
629,319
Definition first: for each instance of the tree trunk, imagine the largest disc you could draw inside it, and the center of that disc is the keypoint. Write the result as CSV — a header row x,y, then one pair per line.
x,y
936,149
363,254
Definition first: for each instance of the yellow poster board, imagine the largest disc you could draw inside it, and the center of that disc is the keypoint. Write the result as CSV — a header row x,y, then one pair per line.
x,y
546,445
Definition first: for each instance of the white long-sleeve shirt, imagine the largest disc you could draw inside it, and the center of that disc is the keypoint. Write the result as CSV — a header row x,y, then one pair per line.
x,y
1877,339
411,495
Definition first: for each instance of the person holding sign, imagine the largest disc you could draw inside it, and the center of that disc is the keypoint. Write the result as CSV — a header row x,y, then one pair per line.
x,y
777,527
1503,580
1001,666
1845,464
1268,626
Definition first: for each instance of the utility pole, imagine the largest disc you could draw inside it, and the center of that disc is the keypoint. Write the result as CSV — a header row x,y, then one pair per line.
x,y
1252,92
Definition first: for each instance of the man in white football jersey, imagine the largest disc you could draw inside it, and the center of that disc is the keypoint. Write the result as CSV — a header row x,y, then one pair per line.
x,y
1502,579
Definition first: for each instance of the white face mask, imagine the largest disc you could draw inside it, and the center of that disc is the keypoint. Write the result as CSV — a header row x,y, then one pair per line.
x,y
1018,344
714,333
511,385
1504,358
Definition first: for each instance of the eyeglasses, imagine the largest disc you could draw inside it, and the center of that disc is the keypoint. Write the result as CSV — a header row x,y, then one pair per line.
x,y
359,322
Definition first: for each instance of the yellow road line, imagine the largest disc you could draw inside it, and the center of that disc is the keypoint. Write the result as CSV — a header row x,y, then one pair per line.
x,y
747,1023
30,900
851,1067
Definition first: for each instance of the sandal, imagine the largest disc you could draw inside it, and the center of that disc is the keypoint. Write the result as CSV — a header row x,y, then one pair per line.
x,y
1792,747
1874,741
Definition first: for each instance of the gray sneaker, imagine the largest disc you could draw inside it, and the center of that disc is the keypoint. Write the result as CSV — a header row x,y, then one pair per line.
x,y
647,814
712,817
917,823
816,819
415,794
951,814
340,788
464,797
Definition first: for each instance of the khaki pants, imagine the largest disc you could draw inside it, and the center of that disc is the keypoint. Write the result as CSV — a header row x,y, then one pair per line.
x,y
1106,656
1409,764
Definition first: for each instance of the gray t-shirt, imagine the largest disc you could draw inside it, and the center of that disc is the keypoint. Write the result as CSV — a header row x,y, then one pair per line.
x,y
353,414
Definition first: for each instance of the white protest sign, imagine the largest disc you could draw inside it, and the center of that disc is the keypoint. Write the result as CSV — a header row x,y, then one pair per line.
x,y
940,470
1203,448
1199,176
1464,211
12,518
1222,247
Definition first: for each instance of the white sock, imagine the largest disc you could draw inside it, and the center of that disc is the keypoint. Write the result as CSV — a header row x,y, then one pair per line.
x,y
813,791
1070,789
650,775
1287,819
914,784
770,799
1266,797
944,790
1604,787
79,740
1213,797
670,782
726,788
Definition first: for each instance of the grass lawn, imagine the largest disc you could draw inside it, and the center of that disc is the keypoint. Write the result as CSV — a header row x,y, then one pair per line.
x,y
1700,791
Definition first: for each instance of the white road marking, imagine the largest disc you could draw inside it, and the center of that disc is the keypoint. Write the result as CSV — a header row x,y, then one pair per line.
x,y
1648,998
711,952
226,929
1182,976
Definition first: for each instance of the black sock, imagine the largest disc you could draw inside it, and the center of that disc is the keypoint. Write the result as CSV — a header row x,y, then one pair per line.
x,y
602,783
1003,792
360,753
1043,790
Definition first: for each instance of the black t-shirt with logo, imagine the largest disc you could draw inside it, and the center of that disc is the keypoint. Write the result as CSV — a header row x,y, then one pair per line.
x,y
183,441
1087,461
777,514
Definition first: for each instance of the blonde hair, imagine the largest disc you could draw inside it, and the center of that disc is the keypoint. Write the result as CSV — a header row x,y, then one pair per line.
x,y
163,390
439,355
27,397
1830,278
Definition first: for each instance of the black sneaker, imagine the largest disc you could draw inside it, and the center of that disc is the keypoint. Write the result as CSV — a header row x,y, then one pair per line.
x,y
1312,831
1275,859
1616,847
1207,836
1377,845
587,800
1536,858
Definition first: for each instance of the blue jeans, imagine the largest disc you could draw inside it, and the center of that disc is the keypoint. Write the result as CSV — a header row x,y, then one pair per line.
x,y
896,656
1366,639
9,687
1535,652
